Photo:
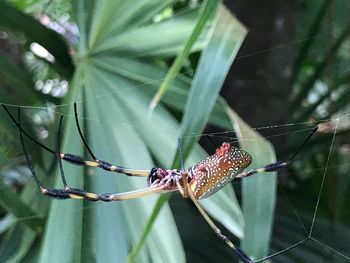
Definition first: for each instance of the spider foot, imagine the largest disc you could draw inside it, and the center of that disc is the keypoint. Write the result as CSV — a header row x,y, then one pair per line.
x,y
274,166
242,255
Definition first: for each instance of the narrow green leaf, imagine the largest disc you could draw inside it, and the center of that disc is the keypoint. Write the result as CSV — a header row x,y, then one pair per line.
x,y
208,10
258,192
214,64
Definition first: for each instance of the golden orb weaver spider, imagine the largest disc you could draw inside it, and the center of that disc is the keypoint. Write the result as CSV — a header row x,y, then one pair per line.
x,y
199,181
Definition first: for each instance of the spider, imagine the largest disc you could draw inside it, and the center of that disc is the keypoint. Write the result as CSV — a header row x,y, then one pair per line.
x,y
197,182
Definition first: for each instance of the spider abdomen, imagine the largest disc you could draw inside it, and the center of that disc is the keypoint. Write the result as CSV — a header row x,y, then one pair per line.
x,y
217,170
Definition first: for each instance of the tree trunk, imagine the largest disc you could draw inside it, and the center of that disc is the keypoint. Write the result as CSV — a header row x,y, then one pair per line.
x,y
258,85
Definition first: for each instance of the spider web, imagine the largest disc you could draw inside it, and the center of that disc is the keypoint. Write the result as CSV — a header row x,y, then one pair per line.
x,y
312,232
311,224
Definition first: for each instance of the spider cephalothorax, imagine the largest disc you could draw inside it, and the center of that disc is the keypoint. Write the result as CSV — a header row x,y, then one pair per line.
x,y
168,178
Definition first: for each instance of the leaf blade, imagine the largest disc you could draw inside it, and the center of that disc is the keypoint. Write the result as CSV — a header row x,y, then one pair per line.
x,y
258,192
208,11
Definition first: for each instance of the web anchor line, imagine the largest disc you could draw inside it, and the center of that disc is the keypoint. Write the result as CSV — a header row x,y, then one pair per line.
x,y
323,178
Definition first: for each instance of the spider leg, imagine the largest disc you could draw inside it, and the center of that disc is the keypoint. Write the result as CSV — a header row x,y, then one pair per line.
x,y
137,193
272,167
58,149
187,189
74,193
268,168
80,160
96,162
282,251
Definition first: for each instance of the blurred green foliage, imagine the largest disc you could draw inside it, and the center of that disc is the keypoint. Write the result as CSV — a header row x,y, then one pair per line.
x,y
111,57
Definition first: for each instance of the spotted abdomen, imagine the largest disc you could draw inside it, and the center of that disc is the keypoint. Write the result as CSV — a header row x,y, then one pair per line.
x,y
213,173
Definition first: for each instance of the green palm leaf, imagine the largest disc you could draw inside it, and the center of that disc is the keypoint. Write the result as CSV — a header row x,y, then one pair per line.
x,y
119,69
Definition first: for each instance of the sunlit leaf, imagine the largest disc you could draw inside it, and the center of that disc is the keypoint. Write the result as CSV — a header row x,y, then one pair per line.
x,y
258,192
208,10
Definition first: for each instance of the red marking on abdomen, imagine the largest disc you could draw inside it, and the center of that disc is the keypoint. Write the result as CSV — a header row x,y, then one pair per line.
x,y
224,148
